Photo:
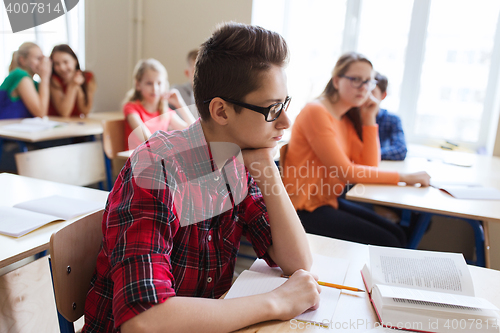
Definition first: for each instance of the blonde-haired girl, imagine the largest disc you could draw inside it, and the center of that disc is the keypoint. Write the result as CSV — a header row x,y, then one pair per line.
x,y
146,105
20,95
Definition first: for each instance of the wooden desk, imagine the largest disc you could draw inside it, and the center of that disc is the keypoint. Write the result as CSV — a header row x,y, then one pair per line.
x,y
484,170
75,128
16,189
106,115
354,310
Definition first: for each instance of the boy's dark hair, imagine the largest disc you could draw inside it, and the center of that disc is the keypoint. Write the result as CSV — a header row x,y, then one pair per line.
x,y
230,62
382,82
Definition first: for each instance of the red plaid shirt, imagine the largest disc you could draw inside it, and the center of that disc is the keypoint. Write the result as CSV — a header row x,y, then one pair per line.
x,y
152,249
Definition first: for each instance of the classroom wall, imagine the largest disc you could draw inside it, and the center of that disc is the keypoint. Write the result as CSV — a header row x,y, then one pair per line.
x,y
120,32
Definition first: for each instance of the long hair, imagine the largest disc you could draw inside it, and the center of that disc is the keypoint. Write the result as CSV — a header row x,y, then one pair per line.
x,y
140,68
65,48
332,93
23,51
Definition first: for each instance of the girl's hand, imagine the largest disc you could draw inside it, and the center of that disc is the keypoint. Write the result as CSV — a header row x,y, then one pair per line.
x,y
45,68
174,98
369,110
421,178
297,295
78,78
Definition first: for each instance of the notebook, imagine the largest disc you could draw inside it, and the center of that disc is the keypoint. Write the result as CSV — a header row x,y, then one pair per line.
x,y
33,125
29,215
426,291
261,278
467,190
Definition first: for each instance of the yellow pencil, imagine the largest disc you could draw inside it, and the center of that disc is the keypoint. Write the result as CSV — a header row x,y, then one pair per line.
x,y
332,285
339,286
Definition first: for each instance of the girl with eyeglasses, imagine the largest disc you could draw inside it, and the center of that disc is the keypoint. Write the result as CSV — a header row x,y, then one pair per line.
x,y
335,143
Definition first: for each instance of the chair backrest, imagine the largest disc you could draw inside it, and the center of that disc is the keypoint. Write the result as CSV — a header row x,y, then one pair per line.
x,y
113,137
76,164
73,255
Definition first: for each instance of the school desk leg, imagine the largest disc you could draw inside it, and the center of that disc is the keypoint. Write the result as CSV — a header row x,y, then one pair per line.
x,y
422,223
486,228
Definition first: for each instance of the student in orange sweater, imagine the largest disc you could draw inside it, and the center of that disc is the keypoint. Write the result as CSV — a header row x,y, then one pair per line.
x,y
335,142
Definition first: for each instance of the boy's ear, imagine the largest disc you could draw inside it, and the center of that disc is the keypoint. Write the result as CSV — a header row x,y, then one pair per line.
x,y
218,111
384,95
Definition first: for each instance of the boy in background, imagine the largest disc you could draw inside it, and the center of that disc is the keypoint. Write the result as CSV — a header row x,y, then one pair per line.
x,y
390,129
186,89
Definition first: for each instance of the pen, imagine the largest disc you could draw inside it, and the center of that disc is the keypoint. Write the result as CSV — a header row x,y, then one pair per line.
x,y
332,285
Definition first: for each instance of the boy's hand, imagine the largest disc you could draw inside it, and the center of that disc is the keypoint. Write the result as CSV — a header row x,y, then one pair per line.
x,y
258,160
369,109
298,294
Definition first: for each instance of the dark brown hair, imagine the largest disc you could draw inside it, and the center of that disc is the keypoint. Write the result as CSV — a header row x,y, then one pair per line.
x,y
341,67
230,62
382,82
65,48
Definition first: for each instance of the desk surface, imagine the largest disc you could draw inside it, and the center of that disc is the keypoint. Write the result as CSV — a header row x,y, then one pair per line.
x,y
356,307
106,115
75,128
439,165
16,189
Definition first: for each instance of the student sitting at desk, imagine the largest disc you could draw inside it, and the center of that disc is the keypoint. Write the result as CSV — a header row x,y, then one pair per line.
x,y
20,95
186,89
334,142
146,109
390,130
71,90
157,270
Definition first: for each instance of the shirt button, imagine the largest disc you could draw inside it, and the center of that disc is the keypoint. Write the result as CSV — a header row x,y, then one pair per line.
x,y
216,178
209,279
209,238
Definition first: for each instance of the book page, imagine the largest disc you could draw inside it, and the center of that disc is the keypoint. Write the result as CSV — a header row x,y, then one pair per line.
x,y
251,283
16,222
427,299
426,270
328,269
63,207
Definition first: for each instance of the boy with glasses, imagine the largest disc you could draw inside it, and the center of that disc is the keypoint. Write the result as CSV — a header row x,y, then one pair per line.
x,y
177,211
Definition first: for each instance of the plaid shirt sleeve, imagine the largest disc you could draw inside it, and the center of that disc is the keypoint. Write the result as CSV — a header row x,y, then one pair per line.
x,y
139,237
393,130
255,216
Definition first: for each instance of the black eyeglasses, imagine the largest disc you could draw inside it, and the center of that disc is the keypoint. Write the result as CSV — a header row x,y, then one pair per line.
x,y
271,113
357,82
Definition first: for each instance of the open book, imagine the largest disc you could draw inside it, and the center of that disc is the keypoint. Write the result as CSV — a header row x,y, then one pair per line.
x,y
30,215
261,278
466,190
426,291
33,125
